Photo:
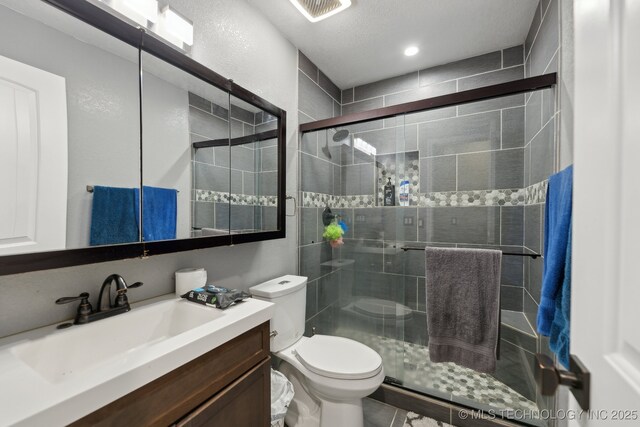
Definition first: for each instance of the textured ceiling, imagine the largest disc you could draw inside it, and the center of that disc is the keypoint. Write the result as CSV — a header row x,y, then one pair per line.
x,y
365,43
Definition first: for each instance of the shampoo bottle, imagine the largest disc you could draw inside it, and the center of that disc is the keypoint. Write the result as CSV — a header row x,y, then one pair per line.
x,y
389,194
404,193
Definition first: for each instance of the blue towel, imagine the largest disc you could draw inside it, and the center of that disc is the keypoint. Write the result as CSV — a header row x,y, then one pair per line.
x,y
113,216
556,253
559,338
159,213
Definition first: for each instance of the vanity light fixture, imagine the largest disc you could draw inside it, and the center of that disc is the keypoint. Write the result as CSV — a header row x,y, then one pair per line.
x,y
142,12
166,23
145,8
411,50
317,10
175,27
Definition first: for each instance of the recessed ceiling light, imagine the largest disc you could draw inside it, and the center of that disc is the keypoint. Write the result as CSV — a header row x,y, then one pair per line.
x,y
411,50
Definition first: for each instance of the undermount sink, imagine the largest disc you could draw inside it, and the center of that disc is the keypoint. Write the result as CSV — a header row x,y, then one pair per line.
x,y
68,353
54,376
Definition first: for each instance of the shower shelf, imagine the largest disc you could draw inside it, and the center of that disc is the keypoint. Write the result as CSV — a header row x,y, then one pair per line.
x,y
534,255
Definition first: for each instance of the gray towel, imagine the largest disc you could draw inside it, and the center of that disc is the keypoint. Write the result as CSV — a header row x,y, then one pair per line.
x,y
463,306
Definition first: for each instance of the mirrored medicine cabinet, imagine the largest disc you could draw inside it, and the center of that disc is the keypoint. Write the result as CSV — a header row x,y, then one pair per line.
x,y
116,145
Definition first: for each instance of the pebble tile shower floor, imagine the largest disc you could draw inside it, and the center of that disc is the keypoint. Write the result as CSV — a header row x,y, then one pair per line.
x,y
446,380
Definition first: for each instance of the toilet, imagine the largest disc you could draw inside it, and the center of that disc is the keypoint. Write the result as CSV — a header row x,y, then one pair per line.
x,y
330,375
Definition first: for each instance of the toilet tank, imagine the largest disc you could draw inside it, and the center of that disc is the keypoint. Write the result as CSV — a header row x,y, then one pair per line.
x,y
289,294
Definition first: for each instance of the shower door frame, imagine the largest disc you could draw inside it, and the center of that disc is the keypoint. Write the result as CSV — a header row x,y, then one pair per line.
x,y
484,93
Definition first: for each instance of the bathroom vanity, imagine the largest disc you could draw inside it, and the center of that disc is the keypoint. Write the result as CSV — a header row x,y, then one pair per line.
x,y
218,387
167,361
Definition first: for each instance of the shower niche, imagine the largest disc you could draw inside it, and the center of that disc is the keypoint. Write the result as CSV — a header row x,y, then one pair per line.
x,y
394,169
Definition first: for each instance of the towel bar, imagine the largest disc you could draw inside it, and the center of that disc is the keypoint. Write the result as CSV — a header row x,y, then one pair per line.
x,y
534,256
90,189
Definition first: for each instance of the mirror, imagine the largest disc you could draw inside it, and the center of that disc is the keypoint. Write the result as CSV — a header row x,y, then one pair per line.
x,y
69,123
254,169
185,145
86,119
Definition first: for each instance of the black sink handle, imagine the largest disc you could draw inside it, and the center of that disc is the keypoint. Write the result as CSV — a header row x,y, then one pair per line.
x,y
84,309
83,298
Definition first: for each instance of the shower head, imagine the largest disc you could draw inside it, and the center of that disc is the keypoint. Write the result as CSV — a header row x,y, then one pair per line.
x,y
340,135
325,149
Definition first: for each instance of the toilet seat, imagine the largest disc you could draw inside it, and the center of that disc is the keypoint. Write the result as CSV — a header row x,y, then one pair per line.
x,y
338,357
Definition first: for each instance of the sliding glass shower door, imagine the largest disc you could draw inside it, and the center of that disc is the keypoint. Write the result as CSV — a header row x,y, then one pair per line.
x,y
468,175
358,289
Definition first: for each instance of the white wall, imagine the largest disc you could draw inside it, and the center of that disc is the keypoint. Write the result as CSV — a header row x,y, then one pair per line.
x,y
235,40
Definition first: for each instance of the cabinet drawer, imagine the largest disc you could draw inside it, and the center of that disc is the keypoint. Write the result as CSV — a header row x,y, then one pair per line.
x,y
244,403
172,396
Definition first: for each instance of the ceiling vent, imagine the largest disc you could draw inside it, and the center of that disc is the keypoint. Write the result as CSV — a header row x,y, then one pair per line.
x,y
317,10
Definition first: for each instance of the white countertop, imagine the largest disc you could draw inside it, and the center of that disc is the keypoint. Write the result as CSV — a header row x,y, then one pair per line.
x,y
27,397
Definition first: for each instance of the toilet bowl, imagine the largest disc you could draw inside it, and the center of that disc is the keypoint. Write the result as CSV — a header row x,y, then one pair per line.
x,y
330,375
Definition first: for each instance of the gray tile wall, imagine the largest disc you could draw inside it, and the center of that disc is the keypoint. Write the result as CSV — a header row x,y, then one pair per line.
x,y
496,144
476,146
503,143
246,169
210,165
320,161
491,68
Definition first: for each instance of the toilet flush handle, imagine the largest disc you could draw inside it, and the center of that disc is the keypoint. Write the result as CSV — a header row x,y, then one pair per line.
x,y
273,334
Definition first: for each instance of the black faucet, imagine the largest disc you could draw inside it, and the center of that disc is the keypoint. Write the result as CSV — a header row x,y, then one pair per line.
x,y
121,293
105,309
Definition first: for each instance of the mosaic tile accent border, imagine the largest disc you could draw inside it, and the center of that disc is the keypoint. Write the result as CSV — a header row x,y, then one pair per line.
x,y
533,194
513,197
235,199
320,200
443,199
537,193
317,200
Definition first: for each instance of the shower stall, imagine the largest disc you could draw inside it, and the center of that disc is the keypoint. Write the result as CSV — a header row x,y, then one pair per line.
x,y
476,177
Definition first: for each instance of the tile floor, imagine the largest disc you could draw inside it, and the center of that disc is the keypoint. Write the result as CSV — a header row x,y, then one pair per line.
x,y
377,414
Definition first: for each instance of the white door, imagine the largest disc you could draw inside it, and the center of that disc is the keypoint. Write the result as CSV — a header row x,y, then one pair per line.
x,y
605,316
33,159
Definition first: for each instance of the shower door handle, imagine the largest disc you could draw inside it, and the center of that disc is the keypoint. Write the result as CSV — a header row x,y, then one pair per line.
x,y
577,378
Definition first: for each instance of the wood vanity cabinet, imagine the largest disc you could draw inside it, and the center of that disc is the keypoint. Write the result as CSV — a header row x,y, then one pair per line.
x,y
228,386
